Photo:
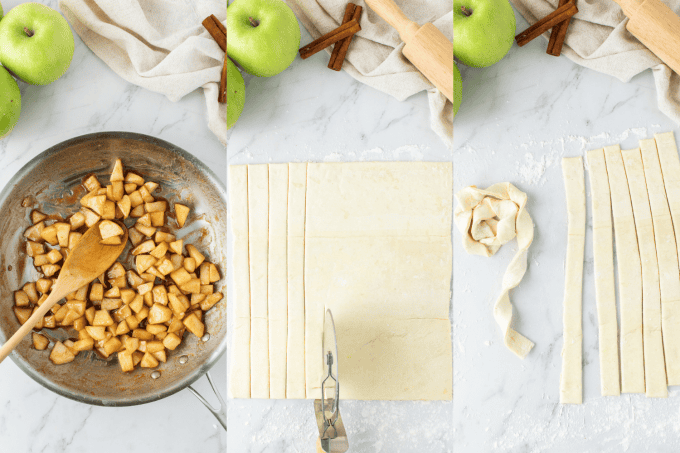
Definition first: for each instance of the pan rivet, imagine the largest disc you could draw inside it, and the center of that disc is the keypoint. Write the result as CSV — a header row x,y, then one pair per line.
x,y
155,375
205,337
183,359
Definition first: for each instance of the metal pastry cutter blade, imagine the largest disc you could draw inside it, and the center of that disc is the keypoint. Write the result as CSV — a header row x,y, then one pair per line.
x,y
332,434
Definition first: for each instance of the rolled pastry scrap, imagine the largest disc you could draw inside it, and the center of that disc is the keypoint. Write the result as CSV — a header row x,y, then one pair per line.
x,y
488,219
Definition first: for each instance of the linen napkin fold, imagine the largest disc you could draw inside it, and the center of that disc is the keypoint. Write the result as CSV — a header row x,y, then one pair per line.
x,y
375,57
597,39
157,45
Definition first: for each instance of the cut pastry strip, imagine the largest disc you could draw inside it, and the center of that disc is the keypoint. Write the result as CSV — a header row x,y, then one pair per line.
x,y
571,379
667,256
378,254
630,275
239,384
258,240
655,369
670,167
487,219
277,279
295,372
605,292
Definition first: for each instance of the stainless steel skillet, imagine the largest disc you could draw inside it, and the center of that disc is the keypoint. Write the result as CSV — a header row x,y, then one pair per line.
x,y
43,182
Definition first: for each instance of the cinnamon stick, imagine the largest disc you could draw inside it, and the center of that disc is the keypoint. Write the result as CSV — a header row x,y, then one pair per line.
x,y
222,96
343,31
340,48
217,30
558,33
349,12
561,14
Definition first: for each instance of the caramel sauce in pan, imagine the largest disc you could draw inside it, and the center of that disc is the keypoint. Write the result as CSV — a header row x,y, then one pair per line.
x,y
77,193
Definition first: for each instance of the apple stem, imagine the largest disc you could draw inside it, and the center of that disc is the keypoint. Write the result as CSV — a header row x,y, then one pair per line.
x,y
28,32
254,22
467,11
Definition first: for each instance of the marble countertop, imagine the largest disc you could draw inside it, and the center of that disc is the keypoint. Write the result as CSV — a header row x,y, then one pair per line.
x,y
92,98
518,119
310,113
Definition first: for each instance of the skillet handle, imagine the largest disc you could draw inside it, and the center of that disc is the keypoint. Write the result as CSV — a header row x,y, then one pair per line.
x,y
221,413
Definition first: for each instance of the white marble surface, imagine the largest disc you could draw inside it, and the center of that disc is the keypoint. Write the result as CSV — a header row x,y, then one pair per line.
x,y
91,98
517,120
310,113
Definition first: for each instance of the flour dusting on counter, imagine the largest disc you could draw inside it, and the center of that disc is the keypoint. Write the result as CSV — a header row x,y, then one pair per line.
x,y
402,153
333,157
543,155
558,426
289,426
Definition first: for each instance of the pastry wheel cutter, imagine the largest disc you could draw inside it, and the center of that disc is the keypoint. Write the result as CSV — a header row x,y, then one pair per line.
x,y
332,435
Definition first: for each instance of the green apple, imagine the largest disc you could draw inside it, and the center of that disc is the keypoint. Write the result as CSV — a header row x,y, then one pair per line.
x,y
236,94
10,102
457,89
0,12
37,43
483,31
264,36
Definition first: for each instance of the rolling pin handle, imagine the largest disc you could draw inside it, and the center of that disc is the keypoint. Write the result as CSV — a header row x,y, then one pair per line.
x,y
630,7
394,16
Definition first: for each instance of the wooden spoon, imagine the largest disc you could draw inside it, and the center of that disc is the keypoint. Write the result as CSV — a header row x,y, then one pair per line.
x,y
87,261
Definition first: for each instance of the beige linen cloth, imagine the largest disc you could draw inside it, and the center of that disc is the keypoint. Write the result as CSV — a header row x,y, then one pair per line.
x,y
157,45
597,39
487,219
375,57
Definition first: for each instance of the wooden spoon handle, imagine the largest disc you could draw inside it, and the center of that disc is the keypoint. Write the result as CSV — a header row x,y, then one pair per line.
x,y
394,16
14,340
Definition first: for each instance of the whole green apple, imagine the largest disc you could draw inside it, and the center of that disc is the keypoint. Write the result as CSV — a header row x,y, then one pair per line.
x,y
37,43
457,89
236,94
264,36
10,102
483,31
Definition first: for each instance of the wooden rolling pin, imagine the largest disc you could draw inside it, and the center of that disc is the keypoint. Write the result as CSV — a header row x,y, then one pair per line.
x,y
426,47
656,26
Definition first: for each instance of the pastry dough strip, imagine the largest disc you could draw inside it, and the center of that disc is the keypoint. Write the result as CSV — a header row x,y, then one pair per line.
x,y
655,369
239,384
277,279
297,188
571,379
605,291
670,286
630,275
258,243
